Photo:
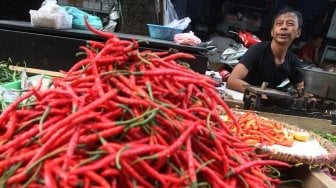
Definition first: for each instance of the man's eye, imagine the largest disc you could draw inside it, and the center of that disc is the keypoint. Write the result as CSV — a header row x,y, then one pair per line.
x,y
290,23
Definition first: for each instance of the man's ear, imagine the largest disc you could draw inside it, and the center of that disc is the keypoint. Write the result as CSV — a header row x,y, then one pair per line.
x,y
272,34
298,33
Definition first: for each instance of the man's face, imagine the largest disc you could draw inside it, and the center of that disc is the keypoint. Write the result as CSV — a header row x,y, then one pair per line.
x,y
286,28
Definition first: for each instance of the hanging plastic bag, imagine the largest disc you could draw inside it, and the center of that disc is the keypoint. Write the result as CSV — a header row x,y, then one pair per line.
x,y
50,15
78,18
170,13
114,16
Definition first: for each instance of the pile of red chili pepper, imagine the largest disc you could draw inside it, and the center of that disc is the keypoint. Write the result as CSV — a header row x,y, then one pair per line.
x,y
126,118
255,129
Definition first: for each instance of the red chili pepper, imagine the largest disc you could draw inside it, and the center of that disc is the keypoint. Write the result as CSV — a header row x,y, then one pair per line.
x,y
72,146
110,158
246,166
178,55
191,165
174,146
98,32
128,169
24,157
6,113
9,129
90,138
78,66
110,172
207,150
97,178
95,44
48,176
216,179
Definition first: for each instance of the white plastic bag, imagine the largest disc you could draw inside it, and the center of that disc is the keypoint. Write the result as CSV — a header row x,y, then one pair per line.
x,y
187,39
169,13
50,15
179,24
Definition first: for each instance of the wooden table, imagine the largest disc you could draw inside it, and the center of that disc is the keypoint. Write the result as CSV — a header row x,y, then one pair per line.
x,y
306,123
311,178
36,71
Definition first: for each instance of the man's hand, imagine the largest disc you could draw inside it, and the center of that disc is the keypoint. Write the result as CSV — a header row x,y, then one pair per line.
x,y
310,97
236,79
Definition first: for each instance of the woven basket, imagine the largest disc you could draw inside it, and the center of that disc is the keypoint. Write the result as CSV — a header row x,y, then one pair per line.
x,y
307,160
162,32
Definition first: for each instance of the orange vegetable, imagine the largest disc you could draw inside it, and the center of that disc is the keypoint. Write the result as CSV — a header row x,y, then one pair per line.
x,y
256,129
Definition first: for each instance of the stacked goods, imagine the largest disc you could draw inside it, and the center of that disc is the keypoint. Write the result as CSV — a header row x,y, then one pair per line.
x,y
125,118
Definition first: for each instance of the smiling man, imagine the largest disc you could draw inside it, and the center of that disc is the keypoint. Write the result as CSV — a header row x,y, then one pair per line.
x,y
270,61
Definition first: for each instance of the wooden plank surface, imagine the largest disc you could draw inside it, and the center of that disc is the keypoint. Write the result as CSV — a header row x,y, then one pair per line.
x,y
311,178
313,124
37,71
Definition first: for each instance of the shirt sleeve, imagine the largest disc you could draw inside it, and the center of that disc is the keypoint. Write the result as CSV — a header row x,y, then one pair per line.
x,y
250,58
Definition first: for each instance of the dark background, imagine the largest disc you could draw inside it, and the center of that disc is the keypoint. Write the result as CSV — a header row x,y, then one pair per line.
x,y
18,9
206,15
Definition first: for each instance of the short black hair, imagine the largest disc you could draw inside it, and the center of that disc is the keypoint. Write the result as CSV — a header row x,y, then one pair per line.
x,y
289,10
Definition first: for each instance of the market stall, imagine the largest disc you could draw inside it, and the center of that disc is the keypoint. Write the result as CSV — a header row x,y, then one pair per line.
x,y
90,139
99,109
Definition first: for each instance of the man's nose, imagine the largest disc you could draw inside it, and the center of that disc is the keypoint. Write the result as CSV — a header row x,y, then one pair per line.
x,y
283,27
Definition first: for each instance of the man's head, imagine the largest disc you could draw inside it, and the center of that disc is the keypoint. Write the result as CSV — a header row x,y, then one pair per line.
x,y
286,26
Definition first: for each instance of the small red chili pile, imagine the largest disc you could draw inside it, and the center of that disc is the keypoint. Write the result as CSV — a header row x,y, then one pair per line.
x,y
126,118
255,129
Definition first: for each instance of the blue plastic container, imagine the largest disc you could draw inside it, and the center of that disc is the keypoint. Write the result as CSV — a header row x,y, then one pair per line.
x,y
162,32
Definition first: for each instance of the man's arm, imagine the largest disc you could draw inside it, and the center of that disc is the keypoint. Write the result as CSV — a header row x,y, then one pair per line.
x,y
236,79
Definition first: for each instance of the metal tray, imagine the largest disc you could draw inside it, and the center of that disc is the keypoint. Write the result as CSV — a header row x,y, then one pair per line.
x,y
319,82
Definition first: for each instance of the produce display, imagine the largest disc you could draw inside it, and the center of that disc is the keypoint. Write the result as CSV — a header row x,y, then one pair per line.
x,y
255,129
127,118
6,74
329,170
282,141
328,136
